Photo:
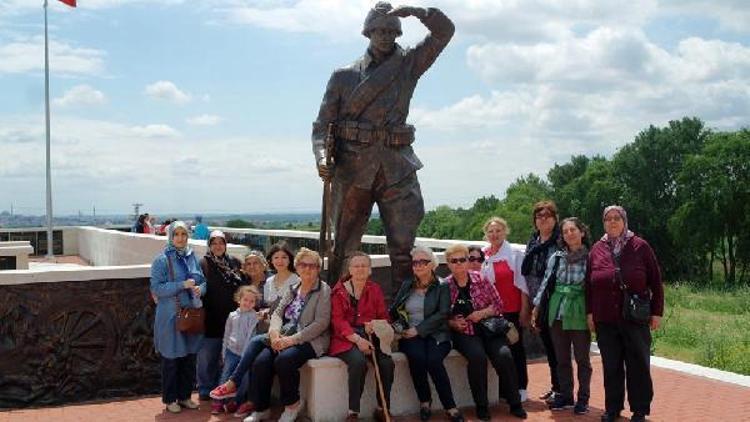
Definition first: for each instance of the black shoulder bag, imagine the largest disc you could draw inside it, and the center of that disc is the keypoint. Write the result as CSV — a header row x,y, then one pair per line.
x,y
542,316
635,308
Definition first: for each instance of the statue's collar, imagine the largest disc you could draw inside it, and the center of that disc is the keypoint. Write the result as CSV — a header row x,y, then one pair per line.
x,y
369,58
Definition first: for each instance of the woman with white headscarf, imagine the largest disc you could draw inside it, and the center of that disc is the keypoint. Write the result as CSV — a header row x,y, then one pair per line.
x,y
177,282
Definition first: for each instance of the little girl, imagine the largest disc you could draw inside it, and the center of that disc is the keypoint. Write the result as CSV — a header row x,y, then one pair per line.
x,y
240,327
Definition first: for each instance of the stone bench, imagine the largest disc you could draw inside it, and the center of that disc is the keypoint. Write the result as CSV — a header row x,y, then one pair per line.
x,y
18,252
325,391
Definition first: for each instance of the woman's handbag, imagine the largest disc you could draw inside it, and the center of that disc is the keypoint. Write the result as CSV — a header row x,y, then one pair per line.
x,y
542,315
191,320
635,308
187,320
498,326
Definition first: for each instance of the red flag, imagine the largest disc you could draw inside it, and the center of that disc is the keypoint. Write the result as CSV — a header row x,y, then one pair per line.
x,y
71,3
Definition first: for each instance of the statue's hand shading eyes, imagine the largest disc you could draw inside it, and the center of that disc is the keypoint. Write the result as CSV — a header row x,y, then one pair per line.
x,y
406,11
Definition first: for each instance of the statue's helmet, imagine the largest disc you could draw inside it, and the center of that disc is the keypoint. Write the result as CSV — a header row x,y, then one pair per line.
x,y
378,17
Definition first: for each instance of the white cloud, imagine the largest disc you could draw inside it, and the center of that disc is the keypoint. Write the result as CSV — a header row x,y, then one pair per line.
x,y
26,54
80,95
155,131
204,120
167,90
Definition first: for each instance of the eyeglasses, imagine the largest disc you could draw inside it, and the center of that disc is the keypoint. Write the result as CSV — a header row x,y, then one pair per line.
x,y
614,218
421,262
476,259
543,215
461,260
308,266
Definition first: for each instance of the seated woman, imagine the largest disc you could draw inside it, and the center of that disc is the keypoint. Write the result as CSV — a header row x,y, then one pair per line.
x,y
355,301
176,279
472,300
420,314
298,333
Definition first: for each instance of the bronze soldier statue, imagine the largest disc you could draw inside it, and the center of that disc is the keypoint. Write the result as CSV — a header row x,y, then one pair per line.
x,y
368,102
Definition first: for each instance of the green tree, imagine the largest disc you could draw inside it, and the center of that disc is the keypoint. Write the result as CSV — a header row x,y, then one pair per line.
x,y
648,169
715,193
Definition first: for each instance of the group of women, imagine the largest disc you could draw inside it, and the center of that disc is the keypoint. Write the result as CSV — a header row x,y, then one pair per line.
x,y
558,287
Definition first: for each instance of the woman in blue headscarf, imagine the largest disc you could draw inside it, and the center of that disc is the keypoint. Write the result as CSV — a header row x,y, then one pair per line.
x,y
176,278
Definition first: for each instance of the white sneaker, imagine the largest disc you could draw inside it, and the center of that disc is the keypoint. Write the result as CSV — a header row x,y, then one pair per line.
x,y
188,404
258,416
290,415
524,395
174,408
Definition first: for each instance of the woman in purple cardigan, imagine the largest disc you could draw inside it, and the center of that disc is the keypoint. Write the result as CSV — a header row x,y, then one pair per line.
x,y
625,346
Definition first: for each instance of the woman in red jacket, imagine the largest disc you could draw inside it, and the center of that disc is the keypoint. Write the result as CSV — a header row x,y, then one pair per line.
x,y
625,346
355,301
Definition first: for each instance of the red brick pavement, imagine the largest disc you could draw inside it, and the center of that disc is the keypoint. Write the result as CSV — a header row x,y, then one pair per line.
x,y
679,397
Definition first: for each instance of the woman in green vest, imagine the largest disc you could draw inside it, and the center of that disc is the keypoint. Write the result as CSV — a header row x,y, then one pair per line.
x,y
566,313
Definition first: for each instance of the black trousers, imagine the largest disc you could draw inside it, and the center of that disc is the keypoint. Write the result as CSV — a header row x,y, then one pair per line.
x,y
477,349
626,357
549,350
518,351
177,378
581,342
356,363
286,365
425,356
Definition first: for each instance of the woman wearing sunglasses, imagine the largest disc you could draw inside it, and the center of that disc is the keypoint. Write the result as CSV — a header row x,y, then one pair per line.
x,y
476,258
420,314
472,300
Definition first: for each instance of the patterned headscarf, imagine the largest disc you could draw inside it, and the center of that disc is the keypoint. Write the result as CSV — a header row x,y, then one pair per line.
x,y
617,243
170,238
221,262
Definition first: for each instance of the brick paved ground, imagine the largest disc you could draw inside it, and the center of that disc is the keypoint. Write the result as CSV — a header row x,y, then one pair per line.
x,y
679,397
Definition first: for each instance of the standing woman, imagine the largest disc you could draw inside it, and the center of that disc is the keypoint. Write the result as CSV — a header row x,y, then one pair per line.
x,y
502,267
176,279
474,299
282,265
625,346
298,333
566,314
420,314
222,273
541,246
356,300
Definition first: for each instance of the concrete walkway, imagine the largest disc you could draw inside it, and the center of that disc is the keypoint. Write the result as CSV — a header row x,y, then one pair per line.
x,y
680,396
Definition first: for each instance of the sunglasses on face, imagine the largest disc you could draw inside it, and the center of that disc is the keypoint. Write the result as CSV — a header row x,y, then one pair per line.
x,y
542,216
461,260
308,266
420,262
476,259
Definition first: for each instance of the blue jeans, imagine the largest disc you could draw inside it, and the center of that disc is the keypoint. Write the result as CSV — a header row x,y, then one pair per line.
x,y
209,365
231,360
241,373
286,365
425,356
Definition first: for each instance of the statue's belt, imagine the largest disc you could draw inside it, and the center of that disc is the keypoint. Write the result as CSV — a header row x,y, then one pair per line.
x,y
366,133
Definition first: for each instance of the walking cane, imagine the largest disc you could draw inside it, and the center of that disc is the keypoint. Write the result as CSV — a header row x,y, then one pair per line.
x,y
379,382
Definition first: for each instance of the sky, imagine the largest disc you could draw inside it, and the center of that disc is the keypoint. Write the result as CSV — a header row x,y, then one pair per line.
x,y
207,106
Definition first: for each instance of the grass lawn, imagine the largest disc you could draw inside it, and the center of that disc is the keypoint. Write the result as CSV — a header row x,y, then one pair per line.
x,y
706,326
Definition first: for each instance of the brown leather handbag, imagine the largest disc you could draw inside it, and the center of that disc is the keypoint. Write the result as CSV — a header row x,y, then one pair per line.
x,y
187,320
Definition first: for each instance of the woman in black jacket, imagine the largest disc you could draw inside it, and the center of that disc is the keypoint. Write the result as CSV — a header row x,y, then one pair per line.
x,y
222,273
420,314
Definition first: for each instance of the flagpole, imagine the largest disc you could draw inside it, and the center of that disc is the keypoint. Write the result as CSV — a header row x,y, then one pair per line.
x,y
50,253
